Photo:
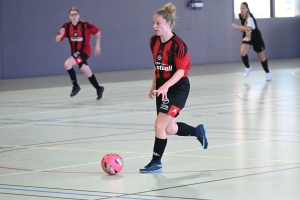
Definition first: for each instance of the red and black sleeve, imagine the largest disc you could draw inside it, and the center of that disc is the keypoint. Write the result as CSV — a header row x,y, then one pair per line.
x,y
65,34
182,56
91,28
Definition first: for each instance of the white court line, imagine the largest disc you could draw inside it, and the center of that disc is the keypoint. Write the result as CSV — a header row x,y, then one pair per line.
x,y
129,104
225,145
101,106
73,120
112,84
190,108
294,73
93,163
84,108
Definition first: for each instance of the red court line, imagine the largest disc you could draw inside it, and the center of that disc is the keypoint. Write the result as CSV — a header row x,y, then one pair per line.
x,y
189,171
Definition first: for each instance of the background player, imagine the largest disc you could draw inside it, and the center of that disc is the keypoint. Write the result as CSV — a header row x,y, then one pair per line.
x,y
79,34
251,36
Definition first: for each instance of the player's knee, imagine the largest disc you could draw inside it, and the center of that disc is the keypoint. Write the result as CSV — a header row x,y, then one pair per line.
x,y
171,130
67,65
87,71
158,127
262,57
243,53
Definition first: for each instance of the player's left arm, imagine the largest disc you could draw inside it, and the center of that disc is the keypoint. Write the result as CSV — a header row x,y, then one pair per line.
x,y
98,40
241,28
94,30
248,27
175,78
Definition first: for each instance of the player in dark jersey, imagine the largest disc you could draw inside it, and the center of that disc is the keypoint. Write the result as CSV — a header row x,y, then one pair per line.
x,y
79,34
170,85
251,36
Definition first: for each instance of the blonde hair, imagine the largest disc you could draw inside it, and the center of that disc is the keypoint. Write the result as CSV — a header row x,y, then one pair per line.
x,y
73,9
168,12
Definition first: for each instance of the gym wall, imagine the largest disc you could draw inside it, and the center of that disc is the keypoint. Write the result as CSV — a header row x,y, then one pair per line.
x,y
28,29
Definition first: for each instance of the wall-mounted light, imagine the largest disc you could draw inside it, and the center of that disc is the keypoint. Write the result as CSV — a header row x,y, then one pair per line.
x,y
194,4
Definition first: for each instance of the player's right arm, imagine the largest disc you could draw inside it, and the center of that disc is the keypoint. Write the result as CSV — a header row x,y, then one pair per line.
x,y
60,36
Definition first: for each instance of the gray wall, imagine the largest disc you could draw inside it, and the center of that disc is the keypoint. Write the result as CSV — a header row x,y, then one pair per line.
x,y
1,44
29,28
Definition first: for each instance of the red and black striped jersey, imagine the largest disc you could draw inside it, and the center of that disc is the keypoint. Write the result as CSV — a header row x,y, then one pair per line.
x,y
169,56
79,36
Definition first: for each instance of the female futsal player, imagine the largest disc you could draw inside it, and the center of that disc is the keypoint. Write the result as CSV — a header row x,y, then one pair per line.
x,y
170,85
251,36
79,34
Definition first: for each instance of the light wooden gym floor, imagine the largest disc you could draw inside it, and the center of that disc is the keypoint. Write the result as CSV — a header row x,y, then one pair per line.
x,y
51,145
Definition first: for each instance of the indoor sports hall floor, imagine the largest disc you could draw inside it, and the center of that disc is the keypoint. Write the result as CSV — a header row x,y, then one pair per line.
x,y
51,145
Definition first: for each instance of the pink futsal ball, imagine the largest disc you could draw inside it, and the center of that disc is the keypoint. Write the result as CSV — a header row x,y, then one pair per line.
x,y
112,164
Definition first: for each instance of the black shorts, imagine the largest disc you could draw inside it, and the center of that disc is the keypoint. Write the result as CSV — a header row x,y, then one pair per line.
x,y
256,48
80,58
177,96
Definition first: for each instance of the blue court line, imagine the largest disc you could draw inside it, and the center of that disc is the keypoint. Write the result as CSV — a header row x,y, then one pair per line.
x,y
69,193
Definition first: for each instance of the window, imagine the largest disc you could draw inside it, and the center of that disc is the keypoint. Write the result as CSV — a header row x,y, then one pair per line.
x,y
287,8
259,8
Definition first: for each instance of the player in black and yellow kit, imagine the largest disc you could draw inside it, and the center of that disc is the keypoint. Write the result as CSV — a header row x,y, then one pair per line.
x,y
251,36
79,34
170,85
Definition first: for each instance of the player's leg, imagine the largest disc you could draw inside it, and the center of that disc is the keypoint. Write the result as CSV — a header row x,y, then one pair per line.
x,y
160,143
264,63
70,62
172,127
92,78
176,104
243,51
183,129
86,70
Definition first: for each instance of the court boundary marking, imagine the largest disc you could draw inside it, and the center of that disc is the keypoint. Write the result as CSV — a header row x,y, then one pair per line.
x,y
79,165
137,113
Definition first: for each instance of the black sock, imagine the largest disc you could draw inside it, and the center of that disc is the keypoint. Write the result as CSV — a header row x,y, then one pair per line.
x,y
159,148
246,61
94,82
72,75
185,130
265,66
